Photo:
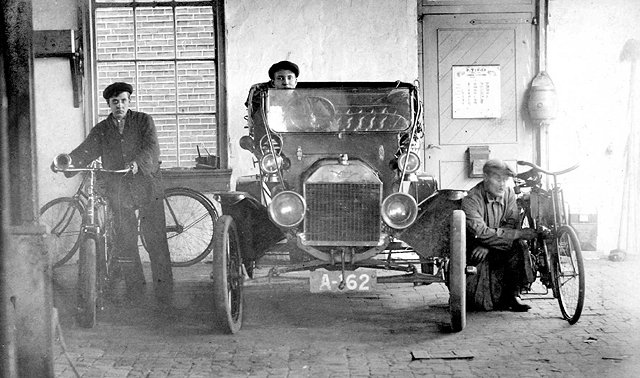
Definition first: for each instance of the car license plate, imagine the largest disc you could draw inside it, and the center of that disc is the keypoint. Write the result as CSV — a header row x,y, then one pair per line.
x,y
328,281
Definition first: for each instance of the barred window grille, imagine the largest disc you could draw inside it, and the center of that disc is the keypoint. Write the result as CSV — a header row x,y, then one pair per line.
x,y
167,51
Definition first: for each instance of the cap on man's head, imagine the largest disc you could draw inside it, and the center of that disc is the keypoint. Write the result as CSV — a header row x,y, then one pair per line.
x,y
496,166
283,65
115,89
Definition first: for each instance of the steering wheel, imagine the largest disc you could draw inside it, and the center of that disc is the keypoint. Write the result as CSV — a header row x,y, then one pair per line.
x,y
322,110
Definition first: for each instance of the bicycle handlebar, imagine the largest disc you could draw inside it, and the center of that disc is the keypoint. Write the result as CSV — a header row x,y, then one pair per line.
x,y
62,163
540,169
92,169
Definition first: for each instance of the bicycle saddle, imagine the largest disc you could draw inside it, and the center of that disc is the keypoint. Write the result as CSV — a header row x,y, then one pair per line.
x,y
529,178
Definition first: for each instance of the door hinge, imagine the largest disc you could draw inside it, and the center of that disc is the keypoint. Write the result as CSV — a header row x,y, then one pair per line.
x,y
502,21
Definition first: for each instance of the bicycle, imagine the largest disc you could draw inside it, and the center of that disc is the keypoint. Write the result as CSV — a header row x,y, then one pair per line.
x,y
556,255
95,261
189,214
86,217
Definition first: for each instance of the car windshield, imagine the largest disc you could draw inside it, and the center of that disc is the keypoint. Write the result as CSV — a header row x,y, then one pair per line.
x,y
339,109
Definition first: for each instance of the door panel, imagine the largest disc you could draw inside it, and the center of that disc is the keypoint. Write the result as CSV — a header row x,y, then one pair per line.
x,y
501,40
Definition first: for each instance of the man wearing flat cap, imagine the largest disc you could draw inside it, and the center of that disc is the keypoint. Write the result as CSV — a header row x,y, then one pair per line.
x,y
283,75
127,138
493,242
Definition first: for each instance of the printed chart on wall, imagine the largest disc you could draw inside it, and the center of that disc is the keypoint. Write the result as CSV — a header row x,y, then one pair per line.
x,y
476,91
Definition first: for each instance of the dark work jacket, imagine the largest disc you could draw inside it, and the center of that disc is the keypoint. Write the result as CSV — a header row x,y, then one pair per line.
x,y
139,143
490,222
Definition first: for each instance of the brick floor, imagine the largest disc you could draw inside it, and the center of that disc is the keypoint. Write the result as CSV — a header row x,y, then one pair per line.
x,y
289,332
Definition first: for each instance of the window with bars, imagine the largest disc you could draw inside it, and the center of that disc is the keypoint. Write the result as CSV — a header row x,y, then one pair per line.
x,y
167,51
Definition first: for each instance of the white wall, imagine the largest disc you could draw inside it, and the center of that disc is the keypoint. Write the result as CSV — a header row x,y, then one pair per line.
x,y
330,40
59,126
366,40
585,40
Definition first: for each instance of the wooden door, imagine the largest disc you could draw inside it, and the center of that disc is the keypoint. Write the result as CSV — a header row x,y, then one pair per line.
x,y
500,44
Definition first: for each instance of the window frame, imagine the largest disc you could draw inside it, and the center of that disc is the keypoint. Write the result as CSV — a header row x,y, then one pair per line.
x,y
88,32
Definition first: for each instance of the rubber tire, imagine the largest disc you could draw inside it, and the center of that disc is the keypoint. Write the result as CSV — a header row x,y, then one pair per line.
x,y
457,271
197,241
227,276
49,213
572,315
87,290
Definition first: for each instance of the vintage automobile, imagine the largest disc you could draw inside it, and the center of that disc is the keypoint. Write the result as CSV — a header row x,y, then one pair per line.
x,y
340,190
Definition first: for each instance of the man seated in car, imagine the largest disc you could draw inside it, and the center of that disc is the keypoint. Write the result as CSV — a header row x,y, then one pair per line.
x,y
493,242
282,75
298,113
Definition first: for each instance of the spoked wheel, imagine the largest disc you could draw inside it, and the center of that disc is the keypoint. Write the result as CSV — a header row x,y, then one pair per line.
x,y
457,271
108,270
189,217
227,276
569,274
63,218
86,286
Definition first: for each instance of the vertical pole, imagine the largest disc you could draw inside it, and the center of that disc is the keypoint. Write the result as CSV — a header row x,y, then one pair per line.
x,y
26,271
542,140
8,361
18,33
631,52
221,87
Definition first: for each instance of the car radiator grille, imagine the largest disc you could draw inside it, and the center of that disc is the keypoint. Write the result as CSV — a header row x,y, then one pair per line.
x,y
343,212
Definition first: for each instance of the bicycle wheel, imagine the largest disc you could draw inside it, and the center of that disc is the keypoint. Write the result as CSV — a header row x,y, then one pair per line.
x,y
190,218
457,272
63,218
87,284
227,276
105,252
569,274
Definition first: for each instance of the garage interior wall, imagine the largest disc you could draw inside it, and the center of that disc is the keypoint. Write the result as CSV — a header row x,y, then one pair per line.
x,y
359,40
377,40
329,40
585,41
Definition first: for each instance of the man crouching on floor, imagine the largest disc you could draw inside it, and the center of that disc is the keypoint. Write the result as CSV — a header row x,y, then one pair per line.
x,y
494,242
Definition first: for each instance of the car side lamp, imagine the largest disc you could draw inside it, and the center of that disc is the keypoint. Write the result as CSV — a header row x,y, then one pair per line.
x,y
409,163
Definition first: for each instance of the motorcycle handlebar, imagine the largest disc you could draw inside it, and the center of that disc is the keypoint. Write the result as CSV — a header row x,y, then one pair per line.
x,y
542,170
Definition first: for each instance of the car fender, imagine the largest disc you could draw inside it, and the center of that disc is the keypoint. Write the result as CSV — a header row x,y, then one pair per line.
x,y
429,234
256,231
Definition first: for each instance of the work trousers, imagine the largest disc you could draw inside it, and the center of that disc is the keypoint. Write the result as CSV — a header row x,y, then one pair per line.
x,y
499,277
152,227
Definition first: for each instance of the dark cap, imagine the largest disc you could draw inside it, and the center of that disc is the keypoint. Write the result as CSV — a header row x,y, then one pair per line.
x,y
284,65
115,89
495,166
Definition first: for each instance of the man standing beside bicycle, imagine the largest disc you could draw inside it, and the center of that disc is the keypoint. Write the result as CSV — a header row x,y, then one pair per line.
x,y
128,139
493,242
